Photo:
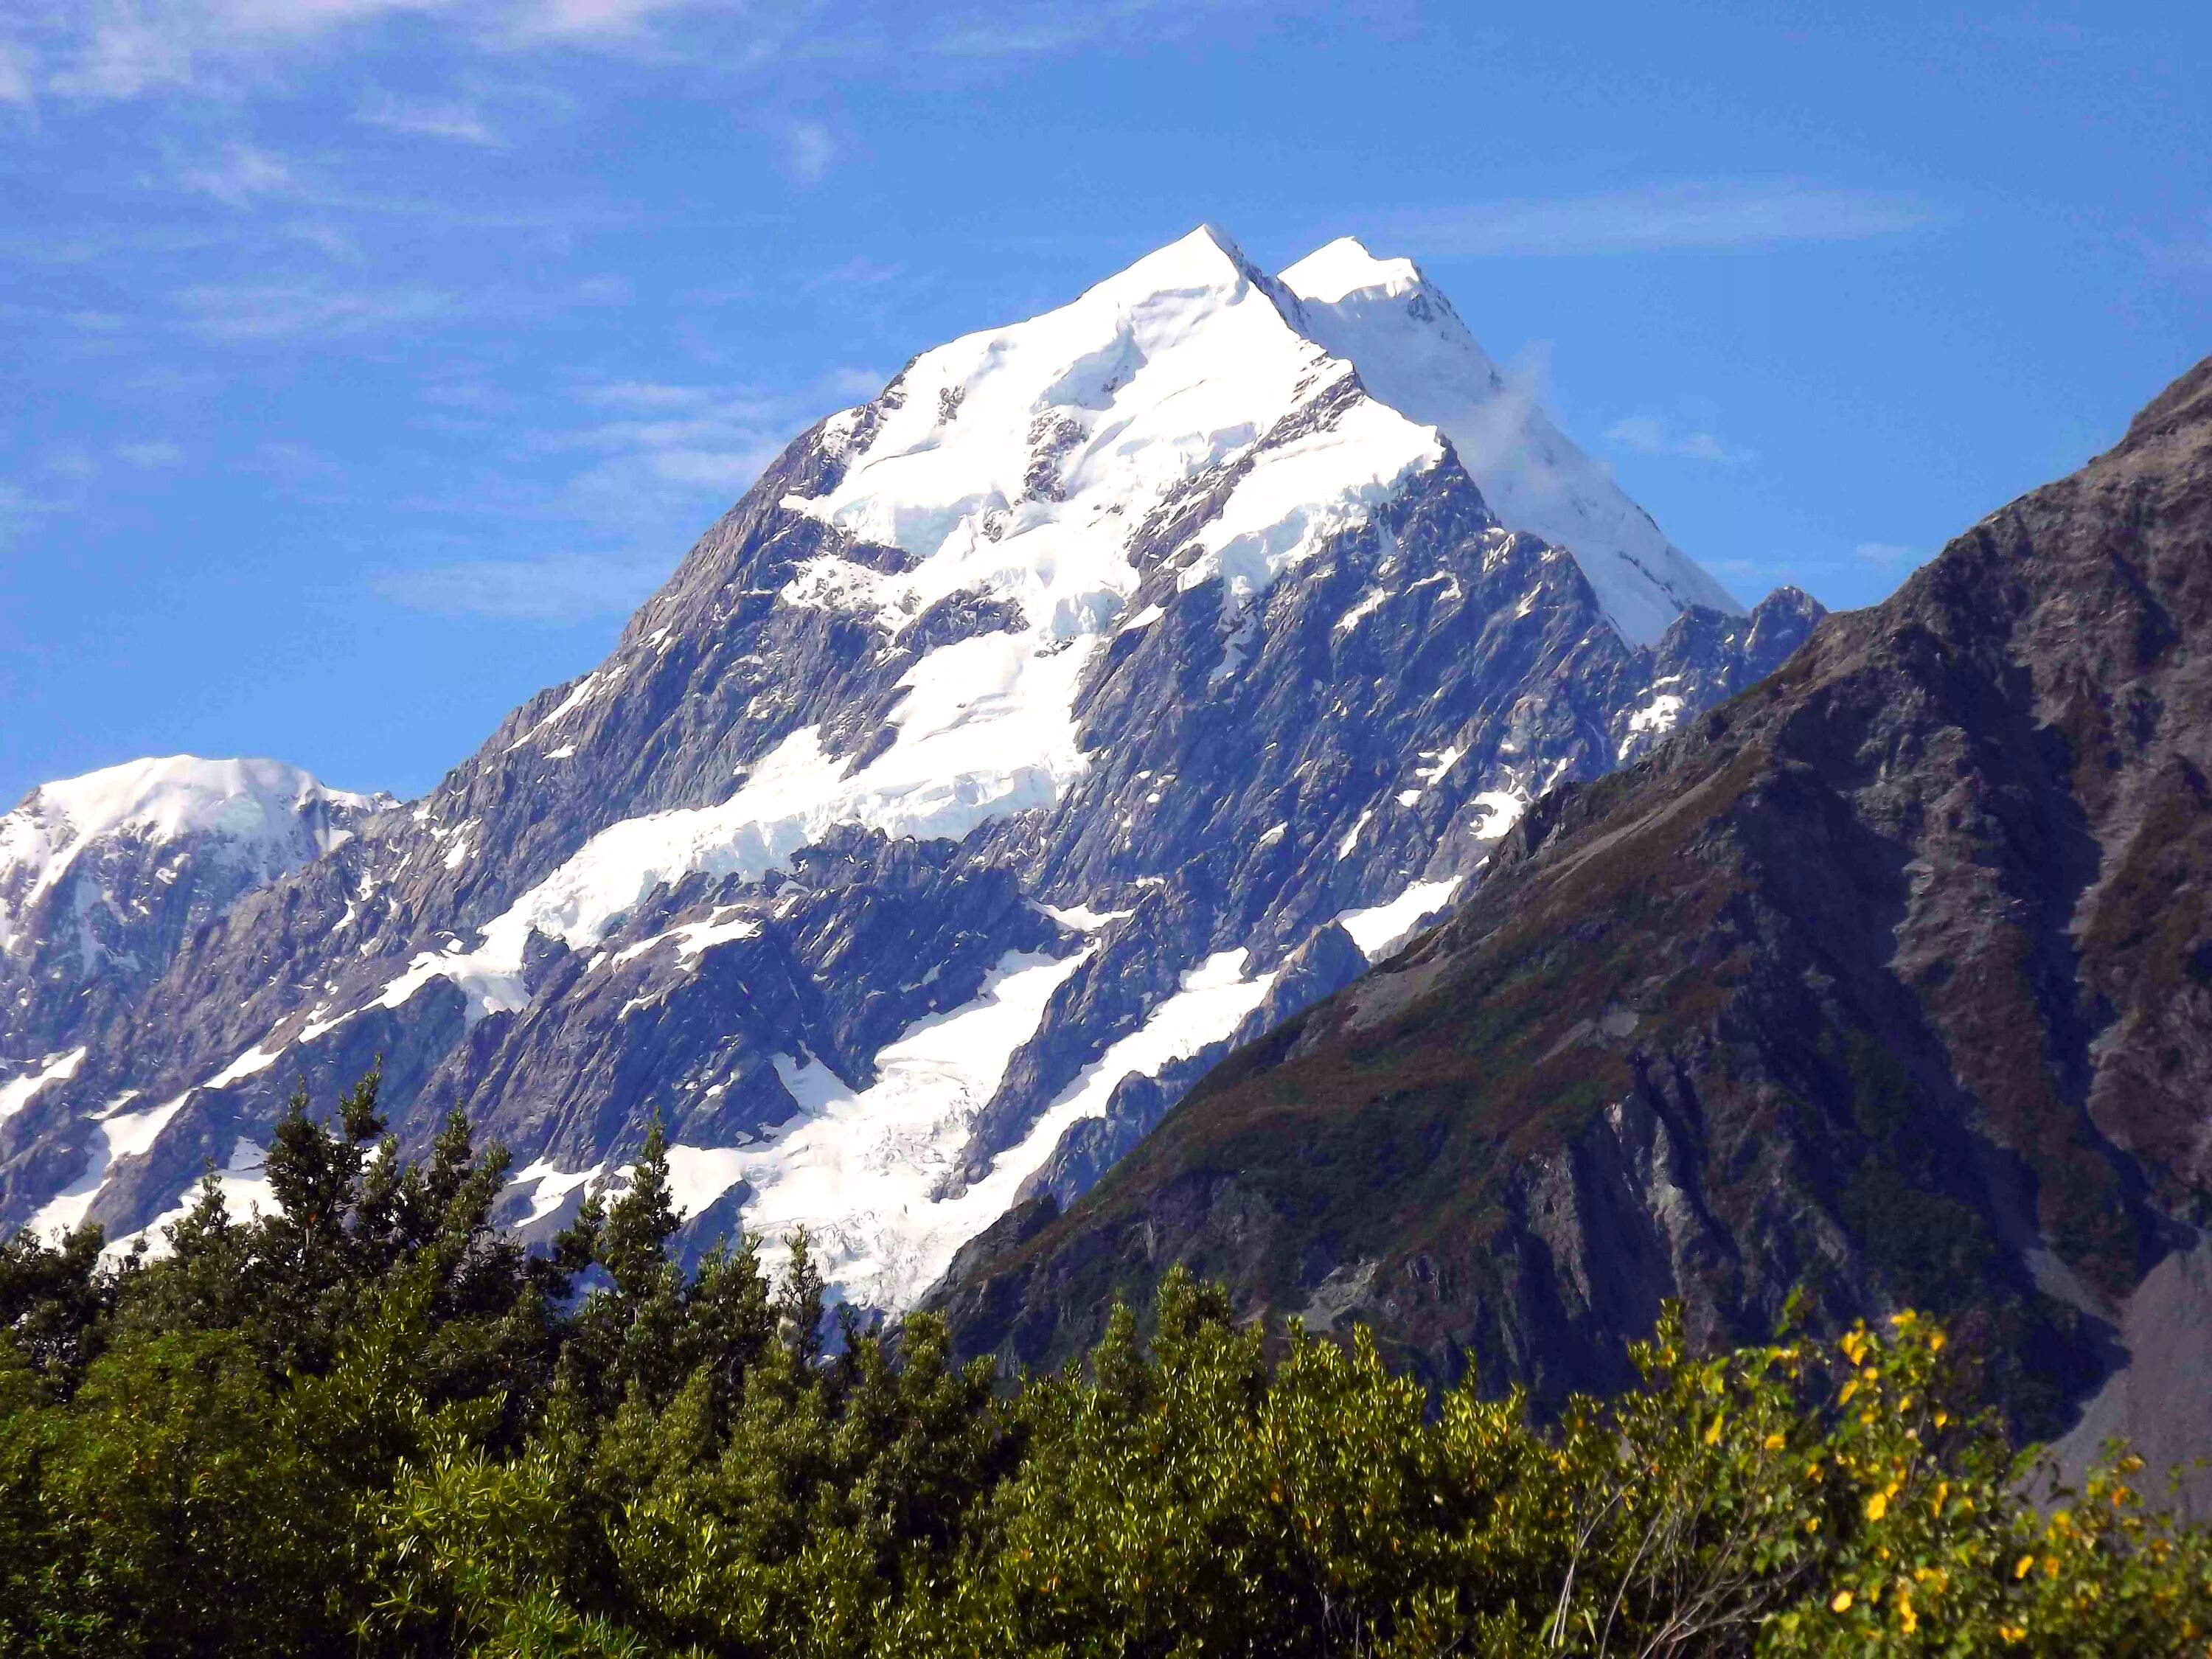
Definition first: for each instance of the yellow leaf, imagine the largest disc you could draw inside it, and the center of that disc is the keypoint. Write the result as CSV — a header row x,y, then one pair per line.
x,y
1713,1434
2026,1566
1877,1506
1775,1443
1842,1603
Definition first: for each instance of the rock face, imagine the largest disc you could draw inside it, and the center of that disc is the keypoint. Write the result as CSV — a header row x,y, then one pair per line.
x,y
1109,681
1891,978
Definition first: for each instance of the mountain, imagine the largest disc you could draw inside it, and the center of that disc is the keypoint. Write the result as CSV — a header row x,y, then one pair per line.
x,y
103,876
1110,680
1891,978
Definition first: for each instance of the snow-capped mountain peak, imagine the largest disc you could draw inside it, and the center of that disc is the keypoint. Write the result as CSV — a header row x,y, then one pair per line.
x,y
1414,353
1338,270
261,812
104,876
1112,682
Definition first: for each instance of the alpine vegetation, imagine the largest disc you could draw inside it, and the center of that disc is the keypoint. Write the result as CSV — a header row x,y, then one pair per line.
x,y
365,1422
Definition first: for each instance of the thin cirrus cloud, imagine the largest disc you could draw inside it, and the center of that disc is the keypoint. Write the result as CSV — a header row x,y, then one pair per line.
x,y
1664,217
658,458
150,453
1647,435
1883,555
107,51
808,151
456,121
238,176
568,588
244,312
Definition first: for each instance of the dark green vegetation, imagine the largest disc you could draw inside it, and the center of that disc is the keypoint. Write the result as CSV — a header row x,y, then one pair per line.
x,y
367,1424
1890,979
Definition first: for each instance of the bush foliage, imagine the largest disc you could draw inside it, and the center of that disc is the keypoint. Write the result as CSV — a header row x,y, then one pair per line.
x,y
367,1423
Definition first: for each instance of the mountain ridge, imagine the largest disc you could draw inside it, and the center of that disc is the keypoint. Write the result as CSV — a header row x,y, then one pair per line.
x,y
1886,978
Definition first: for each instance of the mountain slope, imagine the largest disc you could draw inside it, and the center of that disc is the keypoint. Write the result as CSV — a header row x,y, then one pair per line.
x,y
1108,680
1891,977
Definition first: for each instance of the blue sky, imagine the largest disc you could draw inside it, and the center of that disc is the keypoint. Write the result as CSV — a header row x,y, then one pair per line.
x,y
368,359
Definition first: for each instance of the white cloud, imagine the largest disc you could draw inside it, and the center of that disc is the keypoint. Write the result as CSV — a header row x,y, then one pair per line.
x,y
1032,31
110,50
328,238
808,151
1883,555
1647,435
658,459
15,77
1715,215
858,272
460,122
247,312
238,176
17,509
156,453
562,588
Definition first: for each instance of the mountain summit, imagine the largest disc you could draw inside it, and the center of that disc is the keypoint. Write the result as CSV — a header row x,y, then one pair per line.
x,y
1111,683
1415,354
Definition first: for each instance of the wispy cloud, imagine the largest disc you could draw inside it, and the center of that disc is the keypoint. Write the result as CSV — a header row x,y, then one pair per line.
x,y
248,311
1648,434
1883,555
1040,30
667,445
114,50
154,452
458,121
860,272
808,151
240,176
15,77
562,588
1661,217
109,50
17,509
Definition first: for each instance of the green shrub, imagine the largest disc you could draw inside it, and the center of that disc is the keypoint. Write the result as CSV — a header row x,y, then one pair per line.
x,y
369,1424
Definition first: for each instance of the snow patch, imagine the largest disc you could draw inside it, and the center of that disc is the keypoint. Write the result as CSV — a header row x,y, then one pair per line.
x,y
1381,928
1499,809
115,1134
692,940
550,1187
17,1093
1656,717
857,1168
247,1193
254,1060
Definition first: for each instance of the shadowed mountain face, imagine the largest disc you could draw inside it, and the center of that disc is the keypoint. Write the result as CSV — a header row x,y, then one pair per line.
x,y
1891,977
